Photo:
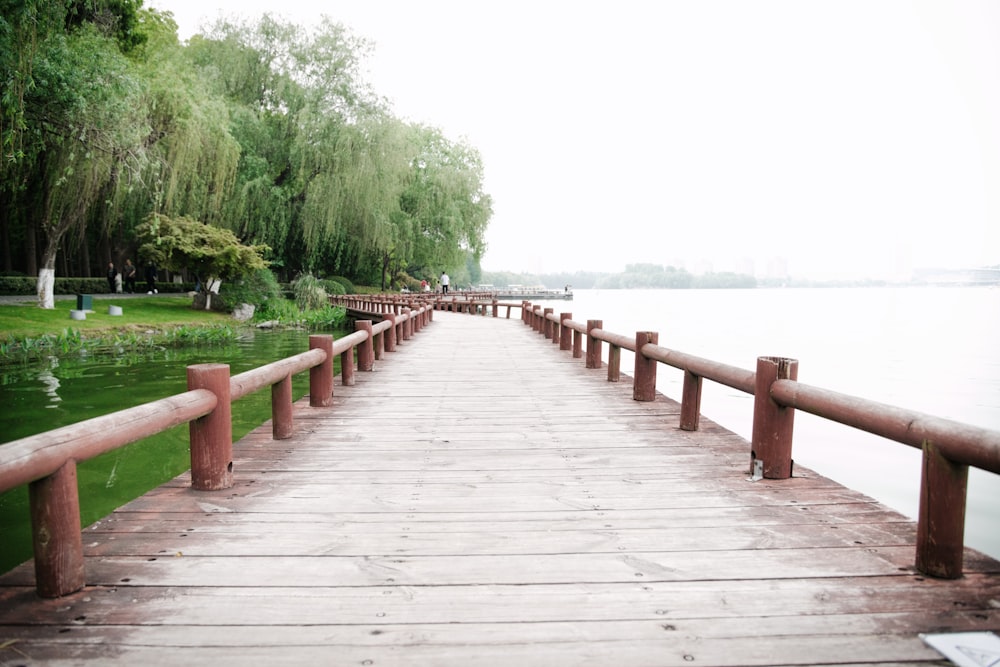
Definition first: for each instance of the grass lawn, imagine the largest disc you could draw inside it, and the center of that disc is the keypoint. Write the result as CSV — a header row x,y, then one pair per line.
x,y
138,313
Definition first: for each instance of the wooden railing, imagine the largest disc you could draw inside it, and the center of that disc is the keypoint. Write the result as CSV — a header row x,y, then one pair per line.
x,y
948,447
477,303
46,462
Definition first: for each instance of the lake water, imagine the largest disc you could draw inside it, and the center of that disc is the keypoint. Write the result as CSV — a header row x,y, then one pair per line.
x,y
931,349
58,392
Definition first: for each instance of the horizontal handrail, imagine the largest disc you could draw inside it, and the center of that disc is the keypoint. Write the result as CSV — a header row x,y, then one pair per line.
x,y
37,456
731,376
959,442
949,447
617,340
47,461
256,379
348,342
466,302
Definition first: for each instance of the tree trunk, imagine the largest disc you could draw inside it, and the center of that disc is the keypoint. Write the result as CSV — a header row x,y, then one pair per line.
x,y
53,239
211,287
84,270
104,251
31,245
5,208
63,257
47,273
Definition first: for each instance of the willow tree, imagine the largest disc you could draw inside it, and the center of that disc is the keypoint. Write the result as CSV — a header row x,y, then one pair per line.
x,y
95,137
445,207
352,202
25,26
194,156
303,115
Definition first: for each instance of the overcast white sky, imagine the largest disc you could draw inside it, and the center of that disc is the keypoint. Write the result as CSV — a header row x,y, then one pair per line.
x,y
852,137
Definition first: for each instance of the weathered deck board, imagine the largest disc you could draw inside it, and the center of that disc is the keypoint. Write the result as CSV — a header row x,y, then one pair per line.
x,y
482,498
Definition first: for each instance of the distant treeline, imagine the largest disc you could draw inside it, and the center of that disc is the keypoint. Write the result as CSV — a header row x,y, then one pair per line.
x,y
655,276
635,276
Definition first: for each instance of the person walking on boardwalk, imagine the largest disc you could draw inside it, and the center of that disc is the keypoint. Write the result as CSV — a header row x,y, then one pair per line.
x,y
444,282
111,277
129,275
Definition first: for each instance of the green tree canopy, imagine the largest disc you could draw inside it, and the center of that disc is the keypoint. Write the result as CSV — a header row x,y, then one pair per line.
x,y
265,128
180,244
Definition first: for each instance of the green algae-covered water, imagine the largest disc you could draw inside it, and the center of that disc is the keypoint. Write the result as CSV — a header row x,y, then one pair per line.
x,y
61,391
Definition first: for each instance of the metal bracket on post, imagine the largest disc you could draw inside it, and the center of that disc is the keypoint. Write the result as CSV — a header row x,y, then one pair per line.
x,y
757,473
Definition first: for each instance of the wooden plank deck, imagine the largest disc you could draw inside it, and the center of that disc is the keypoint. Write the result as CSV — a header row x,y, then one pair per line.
x,y
483,499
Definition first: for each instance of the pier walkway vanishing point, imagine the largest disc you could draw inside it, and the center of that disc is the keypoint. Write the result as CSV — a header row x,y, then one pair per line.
x,y
481,498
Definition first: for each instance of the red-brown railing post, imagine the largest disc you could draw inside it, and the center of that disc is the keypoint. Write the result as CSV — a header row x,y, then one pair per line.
x,y
577,344
644,384
347,367
690,401
546,328
55,532
321,377
941,521
565,333
366,350
593,344
281,409
212,435
390,333
379,346
494,307
614,362
525,311
407,324
772,423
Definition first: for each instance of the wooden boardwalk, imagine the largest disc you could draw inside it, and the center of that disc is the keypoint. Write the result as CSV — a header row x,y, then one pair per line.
x,y
483,499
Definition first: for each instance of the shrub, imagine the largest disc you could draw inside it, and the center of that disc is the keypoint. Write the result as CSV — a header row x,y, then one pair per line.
x,y
256,289
346,282
282,310
18,284
405,280
333,287
24,285
327,317
309,292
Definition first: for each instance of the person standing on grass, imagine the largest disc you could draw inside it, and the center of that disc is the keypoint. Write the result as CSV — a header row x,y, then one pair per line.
x,y
111,277
151,279
129,275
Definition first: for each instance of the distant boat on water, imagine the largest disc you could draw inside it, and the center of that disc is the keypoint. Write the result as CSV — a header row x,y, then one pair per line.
x,y
523,292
